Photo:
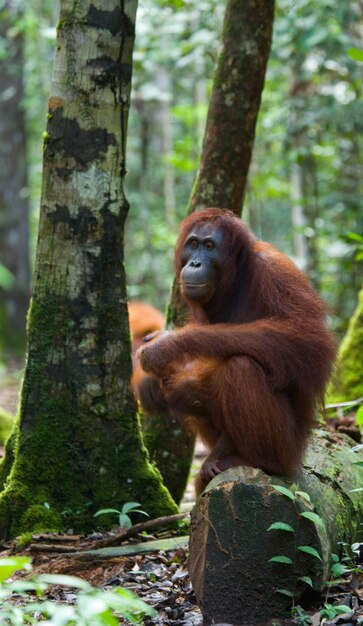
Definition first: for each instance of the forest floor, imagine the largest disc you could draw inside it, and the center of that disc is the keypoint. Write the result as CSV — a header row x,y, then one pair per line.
x,y
153,563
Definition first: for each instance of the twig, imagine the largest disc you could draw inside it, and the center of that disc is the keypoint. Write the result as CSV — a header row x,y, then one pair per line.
x,y
339,405
125,533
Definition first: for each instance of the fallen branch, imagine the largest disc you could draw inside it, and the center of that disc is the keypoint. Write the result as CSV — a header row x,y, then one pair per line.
x,y
126,533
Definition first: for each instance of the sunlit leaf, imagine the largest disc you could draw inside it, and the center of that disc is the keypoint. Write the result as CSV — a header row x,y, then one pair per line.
x,y
356,54
359,416
10,565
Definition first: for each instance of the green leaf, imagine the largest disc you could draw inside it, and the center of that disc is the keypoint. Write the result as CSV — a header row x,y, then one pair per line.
x,y
338,570
68,581
303,495
281,526
342,608
128,506
7,279
12,564
139,511
311,551
124,521
355,237
359,416
285,592
105,511
356,54
313,517
281,559
307,580
359,463
284,491
355,490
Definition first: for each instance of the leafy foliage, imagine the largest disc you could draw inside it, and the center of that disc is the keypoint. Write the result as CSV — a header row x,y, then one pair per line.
x,y
92,608
310,123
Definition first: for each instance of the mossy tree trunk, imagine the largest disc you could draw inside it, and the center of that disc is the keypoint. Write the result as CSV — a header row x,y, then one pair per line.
x,y
78,446
348,382
222,176
14,201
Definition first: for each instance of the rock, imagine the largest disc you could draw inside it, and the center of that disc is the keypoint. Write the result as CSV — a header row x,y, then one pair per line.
x,y
231,546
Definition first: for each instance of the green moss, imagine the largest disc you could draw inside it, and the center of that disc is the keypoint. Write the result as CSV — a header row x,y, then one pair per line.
x,y
46,136
348,382
6,425
24,540
39,518
8,460
171,448
72,455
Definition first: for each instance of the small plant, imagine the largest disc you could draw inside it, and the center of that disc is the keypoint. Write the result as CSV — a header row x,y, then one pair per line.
x,y
123,515
93,607
293,494
330,610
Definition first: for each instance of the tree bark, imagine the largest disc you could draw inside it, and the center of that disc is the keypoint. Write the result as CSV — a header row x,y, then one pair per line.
x,y
14,202
78,445
234,105
232,116
224,164
231,544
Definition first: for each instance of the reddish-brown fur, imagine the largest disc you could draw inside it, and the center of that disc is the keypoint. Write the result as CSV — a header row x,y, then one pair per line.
x,y
144,319
251,367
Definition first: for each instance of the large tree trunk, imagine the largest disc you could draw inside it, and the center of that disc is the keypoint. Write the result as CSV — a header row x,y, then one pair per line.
x,y
78,446
222,176
14,205
237,528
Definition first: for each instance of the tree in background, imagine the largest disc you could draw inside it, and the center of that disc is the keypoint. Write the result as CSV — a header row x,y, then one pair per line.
x,y
221,180
14,192
305,188
78,446
347,385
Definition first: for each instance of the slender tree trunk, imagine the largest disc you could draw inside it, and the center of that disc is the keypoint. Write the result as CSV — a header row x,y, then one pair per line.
x,y
14,205
232,116
79,447
234,106
224,164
